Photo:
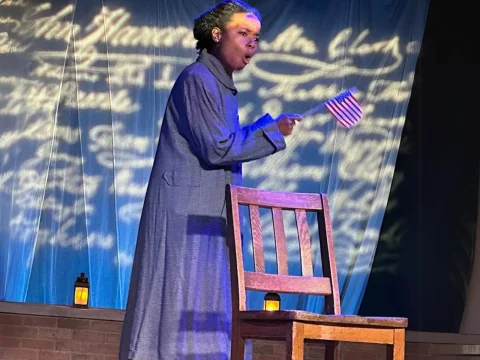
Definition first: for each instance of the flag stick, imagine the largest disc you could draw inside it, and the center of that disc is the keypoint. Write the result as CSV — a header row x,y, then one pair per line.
x,y
322,105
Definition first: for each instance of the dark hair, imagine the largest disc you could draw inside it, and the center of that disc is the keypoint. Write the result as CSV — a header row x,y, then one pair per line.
x,y
218,16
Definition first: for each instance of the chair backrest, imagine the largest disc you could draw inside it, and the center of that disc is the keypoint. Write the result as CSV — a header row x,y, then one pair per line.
x,y
282,282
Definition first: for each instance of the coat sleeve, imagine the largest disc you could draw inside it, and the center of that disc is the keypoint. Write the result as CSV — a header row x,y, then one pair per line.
x,y
209,134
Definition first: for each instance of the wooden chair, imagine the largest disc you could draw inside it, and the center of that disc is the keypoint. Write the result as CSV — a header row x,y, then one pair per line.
x,y
296,326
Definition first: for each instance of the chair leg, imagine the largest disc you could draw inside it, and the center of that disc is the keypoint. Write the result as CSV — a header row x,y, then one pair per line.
x,y
332,350
295,342
397,350
237,351
238,348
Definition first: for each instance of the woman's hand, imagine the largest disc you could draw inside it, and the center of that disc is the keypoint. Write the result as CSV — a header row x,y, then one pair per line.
x,y
286,123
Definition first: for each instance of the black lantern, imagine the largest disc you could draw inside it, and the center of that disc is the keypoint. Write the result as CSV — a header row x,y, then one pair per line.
x,y
81,292
271,302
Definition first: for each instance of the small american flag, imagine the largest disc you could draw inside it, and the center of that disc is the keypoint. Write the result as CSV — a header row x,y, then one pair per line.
x,y
345,108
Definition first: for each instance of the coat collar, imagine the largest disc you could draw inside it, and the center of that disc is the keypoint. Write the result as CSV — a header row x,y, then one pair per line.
x,y
217,69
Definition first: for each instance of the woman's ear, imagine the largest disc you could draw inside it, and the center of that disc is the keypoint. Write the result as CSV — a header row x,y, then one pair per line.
x,y
216,34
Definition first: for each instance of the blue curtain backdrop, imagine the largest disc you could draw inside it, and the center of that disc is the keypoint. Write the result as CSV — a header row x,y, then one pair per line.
x,y
83,86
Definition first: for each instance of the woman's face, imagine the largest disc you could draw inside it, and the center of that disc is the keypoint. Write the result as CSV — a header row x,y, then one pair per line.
x,y
237,42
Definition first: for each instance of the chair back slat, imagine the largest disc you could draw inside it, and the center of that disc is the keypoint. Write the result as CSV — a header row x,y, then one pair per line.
x,y
287,284
269,199
304,240
255,226
280,241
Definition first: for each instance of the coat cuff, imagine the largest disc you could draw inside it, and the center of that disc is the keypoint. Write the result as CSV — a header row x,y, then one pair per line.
x,y
270,130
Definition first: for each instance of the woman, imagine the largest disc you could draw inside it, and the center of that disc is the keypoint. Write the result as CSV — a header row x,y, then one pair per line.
x,y
179,300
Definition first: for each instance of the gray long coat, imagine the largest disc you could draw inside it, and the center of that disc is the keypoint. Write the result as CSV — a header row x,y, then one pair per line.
x,y
179,305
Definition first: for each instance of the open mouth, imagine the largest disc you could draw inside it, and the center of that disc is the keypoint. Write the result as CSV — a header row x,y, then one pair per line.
x,y
247,58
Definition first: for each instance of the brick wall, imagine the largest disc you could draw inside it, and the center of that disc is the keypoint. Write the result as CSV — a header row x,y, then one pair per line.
x,y
30,337
47,332
274,350
33,337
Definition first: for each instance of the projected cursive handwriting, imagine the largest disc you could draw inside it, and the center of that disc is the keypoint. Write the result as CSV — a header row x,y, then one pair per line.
x,y
97,74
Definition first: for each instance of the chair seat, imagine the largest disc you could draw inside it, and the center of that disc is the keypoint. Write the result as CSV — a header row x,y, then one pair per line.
x,y
305,316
